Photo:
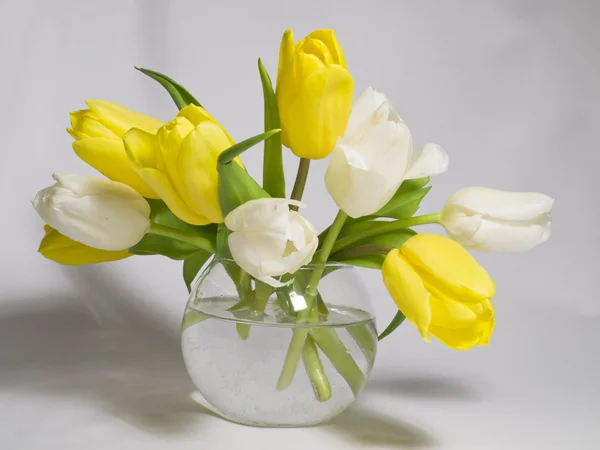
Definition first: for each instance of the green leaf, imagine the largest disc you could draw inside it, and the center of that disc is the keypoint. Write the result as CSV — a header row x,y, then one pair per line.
x,y
236,186
273,174
395,323
192,317
153,244
236,150
366,261
404,205
233,270
178,93
393,238
192,265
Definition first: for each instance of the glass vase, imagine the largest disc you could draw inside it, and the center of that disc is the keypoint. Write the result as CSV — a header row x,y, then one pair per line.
x,y
294,355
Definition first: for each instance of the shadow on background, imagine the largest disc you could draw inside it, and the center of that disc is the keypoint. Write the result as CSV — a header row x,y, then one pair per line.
x,y
112,350
107,347
424,386
364,426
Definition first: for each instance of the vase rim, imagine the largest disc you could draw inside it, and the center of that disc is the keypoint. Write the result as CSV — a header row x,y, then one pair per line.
x,y
340,265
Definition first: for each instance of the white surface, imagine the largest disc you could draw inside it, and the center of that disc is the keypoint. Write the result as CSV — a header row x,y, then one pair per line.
x,y
89,356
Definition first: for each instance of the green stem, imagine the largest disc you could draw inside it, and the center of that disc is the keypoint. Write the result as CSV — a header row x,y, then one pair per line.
x,y
261,297
299,335
366,339
361,250
298,189
246,297
322,255
316,372
292,358
335,350
395,323
385,227
183,236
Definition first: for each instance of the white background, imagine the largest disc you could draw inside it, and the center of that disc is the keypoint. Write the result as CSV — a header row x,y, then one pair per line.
x,y
90,357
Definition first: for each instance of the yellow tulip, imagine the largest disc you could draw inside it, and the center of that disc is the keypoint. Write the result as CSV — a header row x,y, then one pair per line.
x,y
442,290
59,248
179,163
314,93
98,134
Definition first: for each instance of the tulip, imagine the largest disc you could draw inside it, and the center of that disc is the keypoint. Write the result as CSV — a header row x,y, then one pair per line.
x,y
441,290
99,213
59,248
374,157
98,133
496,221
180,163
269,240
314,93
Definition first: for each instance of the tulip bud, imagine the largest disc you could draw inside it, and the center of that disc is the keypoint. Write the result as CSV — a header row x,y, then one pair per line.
x,y
441,290
314,93
269,240
180,163
99,213
374,157
98,134
59,248
495,221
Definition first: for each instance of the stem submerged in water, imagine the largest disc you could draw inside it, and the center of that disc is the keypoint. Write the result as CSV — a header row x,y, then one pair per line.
x,y
296,347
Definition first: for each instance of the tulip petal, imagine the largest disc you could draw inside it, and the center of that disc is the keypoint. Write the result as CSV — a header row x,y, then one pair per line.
x,y
196,115
197,167
85,124
500,204
96,212
356,190
317,48
329,39
432,160
322,105
248,258
255,213
59,248
445,264
447,313
459,338
119,119
142,151
493,236
365,108
303,250
478,333
108,157
408,291
285,88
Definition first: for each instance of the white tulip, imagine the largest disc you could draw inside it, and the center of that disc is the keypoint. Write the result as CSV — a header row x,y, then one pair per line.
x,y
375,156
99,213
496,221
269,240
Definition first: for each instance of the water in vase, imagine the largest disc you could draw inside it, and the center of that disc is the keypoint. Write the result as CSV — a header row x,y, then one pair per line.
x,y
238,377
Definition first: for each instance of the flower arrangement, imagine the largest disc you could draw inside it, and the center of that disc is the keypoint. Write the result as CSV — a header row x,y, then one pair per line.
x,y
180,189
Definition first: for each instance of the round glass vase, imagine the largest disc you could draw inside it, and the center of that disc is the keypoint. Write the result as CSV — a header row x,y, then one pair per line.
x,y
278,357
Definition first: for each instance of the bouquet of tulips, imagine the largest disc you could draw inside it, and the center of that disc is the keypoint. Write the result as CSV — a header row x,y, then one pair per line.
x,y
180,189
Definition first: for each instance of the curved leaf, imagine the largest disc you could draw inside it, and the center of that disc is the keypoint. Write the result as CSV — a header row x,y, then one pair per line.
x,y
153,244
273,174
178,93
395,323
367,261
192,265
403,204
